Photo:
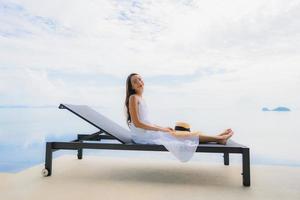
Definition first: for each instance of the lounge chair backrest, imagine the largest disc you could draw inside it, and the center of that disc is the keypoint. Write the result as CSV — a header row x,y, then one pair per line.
x,y
100,121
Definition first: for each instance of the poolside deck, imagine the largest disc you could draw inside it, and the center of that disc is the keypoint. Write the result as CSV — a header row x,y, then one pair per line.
x,y
96,177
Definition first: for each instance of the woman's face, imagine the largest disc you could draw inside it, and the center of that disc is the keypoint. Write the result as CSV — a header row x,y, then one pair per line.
x,y
137,83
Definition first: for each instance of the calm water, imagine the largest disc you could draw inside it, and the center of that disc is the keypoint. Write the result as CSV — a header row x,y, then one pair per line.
x,y
272,136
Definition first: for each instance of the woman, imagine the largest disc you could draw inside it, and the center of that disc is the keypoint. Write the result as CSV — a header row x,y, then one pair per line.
x,y
144,132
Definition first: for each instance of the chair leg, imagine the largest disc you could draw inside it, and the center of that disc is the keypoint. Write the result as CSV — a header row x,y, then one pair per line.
x,y
246,167
80,151
79,154
226,158
48,160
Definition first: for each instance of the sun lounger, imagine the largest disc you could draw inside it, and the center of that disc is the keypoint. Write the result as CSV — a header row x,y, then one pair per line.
x,y
109,130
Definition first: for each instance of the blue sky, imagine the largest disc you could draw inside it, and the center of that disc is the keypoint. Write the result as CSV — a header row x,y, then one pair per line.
x,y
245,52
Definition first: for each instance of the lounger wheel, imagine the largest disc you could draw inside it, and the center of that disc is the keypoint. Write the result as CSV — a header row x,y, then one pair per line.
x,y
45,172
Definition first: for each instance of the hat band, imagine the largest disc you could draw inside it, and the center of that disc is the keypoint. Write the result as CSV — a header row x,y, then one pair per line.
x,y
180,128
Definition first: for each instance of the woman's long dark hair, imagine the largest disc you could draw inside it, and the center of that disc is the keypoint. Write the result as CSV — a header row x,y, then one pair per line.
x,y
129,91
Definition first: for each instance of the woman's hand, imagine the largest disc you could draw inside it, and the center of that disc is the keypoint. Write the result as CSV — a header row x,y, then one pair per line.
x,y
167,129
171,131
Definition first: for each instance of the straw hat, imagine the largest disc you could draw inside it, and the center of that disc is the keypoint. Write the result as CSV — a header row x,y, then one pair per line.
x,y
183,127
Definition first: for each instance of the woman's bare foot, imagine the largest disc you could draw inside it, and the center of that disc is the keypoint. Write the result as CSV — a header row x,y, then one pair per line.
x,y
225,132
223,138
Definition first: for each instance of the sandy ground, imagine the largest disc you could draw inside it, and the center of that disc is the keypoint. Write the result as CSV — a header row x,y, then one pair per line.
x,y
117,178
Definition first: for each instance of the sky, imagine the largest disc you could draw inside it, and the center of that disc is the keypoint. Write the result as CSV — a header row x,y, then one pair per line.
x,y
204,54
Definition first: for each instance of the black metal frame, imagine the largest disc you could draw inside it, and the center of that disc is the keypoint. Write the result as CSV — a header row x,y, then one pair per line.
x,y
102,135
79,145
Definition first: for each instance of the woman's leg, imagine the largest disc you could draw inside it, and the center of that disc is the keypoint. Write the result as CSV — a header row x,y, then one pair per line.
x,y
206,138
221,138
225,132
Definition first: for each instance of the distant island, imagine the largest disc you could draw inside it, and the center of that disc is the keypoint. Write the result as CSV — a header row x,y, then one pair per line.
x,y
278,109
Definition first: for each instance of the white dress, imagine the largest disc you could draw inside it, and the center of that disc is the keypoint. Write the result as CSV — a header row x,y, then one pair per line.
x,y
183,148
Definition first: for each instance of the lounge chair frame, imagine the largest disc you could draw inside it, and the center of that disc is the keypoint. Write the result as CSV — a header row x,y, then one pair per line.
x,y
79,144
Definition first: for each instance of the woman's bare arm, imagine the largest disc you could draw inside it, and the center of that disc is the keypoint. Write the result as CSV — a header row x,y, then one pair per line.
x,y
134,110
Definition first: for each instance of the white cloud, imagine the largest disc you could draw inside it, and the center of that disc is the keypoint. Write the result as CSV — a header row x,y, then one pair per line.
x,y
250,43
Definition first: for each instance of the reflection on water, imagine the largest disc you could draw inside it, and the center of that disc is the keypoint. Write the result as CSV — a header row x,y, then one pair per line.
x,y
272,137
